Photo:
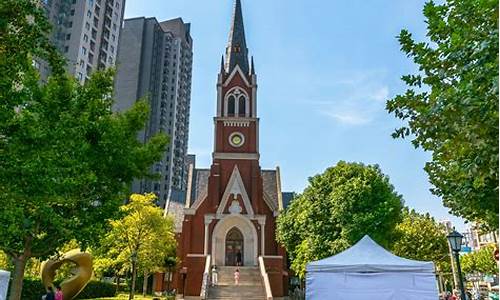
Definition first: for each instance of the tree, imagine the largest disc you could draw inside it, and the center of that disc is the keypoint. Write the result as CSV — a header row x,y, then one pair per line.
x,y
336,210
420,237
66,160
142,238
451,105
481,261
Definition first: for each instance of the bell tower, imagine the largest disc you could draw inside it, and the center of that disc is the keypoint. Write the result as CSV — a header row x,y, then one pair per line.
x,y
236,123
229,214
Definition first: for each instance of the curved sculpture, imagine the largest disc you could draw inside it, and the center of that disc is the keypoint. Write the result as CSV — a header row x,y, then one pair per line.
x,y
73,286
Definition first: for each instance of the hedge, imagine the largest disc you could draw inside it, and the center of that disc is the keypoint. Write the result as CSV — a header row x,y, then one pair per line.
x,y
98,289
33,289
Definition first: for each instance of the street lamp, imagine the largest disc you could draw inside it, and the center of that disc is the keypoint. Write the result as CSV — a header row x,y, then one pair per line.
x,y
455,240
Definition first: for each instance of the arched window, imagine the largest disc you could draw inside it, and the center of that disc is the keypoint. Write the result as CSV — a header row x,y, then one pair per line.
x,y
242,106
231,106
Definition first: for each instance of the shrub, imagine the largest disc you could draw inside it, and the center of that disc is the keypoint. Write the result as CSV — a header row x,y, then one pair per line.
x,y
33,289
98,289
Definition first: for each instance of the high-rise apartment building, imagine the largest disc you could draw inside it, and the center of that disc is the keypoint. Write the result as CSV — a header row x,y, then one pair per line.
x,y
155,61
86,32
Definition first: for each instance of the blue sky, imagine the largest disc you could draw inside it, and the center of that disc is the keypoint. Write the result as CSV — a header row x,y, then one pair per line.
x,y
325,69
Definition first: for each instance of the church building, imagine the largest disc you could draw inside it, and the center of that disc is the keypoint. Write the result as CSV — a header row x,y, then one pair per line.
x,y
229,213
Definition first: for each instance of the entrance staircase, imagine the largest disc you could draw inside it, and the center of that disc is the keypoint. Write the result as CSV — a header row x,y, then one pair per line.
x,y
250,287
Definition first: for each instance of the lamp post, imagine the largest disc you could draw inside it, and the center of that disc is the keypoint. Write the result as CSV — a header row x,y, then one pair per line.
x,y
455,240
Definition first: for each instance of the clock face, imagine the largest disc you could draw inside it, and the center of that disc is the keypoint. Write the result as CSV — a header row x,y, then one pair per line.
x,y
236,139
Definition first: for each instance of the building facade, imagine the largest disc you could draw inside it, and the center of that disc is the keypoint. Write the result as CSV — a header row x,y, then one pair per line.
x,y
155,62
86,32
228,216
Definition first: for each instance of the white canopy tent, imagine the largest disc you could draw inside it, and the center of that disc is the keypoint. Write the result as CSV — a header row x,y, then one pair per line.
x,y
368,271
4,284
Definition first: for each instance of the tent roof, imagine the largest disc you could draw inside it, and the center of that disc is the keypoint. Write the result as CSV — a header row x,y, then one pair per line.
x,y
368,256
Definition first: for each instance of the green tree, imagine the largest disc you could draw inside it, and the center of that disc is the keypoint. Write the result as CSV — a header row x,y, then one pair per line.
x,y
66,160
451,104
142,238
481,261
420,237
336,210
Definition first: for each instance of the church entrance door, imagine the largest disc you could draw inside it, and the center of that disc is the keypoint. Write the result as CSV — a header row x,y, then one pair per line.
x,y
234,247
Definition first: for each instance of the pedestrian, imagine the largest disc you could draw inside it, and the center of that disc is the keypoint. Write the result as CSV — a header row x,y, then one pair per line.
x,y
237,277
49,295
59,293
238,258
453,296
215,275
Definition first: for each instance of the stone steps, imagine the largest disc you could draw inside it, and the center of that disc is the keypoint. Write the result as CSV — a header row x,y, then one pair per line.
x,y
249,288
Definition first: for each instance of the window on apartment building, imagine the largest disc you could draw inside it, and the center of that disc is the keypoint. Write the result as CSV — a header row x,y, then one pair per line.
x,y
82,63
112,49
87,25
113,37
72,12
110,60
89,69
116,16
84,51
68,36
91,58
70,24
74,1
85,38
79,76
117,4
89,13
114,26
66,49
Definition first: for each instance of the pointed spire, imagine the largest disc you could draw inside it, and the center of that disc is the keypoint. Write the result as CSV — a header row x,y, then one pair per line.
x,y
236,51
222,65
252,67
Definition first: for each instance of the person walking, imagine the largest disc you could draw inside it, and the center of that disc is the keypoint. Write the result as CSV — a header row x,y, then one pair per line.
x,y
238,258
59,293
50,294
237,277
215,276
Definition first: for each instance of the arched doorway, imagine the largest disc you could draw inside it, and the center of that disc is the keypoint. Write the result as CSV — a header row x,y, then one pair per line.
x,y
234,247
220,233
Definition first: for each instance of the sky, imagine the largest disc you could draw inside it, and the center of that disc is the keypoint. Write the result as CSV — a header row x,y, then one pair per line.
x,y
325,69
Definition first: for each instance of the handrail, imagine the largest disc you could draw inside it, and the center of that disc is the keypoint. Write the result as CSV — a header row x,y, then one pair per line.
x,y
265,278
206,278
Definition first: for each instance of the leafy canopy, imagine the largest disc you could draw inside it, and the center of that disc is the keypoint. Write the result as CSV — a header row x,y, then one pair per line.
x,y
142,230
66,160
420,237
481,261
451,104
336,210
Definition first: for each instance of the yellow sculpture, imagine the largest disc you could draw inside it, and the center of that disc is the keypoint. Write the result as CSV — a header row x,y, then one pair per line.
x,y
73,286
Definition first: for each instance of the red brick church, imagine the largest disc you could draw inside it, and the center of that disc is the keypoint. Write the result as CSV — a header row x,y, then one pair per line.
x,y
229,211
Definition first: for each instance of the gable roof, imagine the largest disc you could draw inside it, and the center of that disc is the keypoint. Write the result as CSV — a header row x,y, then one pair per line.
x,y
199,188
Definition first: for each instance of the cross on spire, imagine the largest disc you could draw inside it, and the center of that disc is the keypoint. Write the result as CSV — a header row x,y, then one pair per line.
x,y
236,51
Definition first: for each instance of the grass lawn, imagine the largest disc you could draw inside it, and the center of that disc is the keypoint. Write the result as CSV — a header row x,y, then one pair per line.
x,y
137,297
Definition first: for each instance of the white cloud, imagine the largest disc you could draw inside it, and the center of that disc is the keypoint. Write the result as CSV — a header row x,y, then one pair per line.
x,y
348,118
356,98
381,94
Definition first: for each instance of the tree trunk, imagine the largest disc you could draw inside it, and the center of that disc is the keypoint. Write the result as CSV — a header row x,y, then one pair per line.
x,y
167,276
117,281
145,284
17,280
134,276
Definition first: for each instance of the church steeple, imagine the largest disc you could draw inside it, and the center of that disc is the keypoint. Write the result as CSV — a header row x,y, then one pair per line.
x,y
236,51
